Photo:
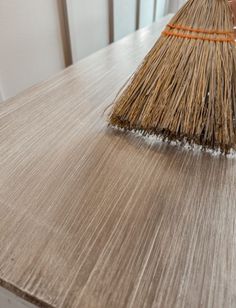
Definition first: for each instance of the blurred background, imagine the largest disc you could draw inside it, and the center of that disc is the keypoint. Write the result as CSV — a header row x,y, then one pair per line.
x,y
38,38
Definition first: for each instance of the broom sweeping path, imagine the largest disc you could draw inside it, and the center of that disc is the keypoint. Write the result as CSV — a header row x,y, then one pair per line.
x,y
91,217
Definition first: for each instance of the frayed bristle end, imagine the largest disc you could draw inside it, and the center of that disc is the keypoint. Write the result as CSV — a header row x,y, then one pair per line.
x,y
185,89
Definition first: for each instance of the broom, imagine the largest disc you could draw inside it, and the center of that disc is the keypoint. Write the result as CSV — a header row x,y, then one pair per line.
x,y
185,88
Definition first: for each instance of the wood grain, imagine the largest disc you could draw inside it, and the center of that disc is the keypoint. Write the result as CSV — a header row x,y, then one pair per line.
x,y
92,217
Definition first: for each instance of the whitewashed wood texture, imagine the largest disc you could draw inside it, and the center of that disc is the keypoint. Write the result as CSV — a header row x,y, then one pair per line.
x,y
91,217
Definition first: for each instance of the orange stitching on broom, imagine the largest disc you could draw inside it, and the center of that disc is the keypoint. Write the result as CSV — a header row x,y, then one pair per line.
x,y
179,27
196,37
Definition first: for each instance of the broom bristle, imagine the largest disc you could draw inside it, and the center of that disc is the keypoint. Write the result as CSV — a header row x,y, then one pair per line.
x,y
186,86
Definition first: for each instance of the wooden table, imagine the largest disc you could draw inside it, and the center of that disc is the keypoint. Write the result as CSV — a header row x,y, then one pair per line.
x,y
91,217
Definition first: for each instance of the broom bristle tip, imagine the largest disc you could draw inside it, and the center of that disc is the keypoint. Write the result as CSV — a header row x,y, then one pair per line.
x,y
185,89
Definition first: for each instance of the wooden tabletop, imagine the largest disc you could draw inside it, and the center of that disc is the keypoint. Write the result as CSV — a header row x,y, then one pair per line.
x,y
91,217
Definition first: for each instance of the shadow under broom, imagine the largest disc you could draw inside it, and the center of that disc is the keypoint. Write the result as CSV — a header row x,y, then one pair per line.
x,y
185,88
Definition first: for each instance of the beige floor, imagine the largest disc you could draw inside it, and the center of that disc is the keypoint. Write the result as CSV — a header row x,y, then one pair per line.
x,y
90,217
10,300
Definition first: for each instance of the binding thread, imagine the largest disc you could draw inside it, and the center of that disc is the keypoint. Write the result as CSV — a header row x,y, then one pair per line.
x,y
180,27
230,38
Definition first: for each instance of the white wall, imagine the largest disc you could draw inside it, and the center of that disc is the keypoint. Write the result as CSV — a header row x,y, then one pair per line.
x,y
161,9
89,26
1,92
124,18
146,13
30,43
174,5
1,97
92,21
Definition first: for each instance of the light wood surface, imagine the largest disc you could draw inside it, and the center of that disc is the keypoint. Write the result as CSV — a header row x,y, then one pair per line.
x,y
90,217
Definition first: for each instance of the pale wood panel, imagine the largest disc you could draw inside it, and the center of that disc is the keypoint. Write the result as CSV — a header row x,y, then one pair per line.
x,y
91,217
65,31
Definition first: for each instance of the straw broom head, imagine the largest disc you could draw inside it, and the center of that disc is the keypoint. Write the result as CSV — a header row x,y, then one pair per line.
x,y
185,89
